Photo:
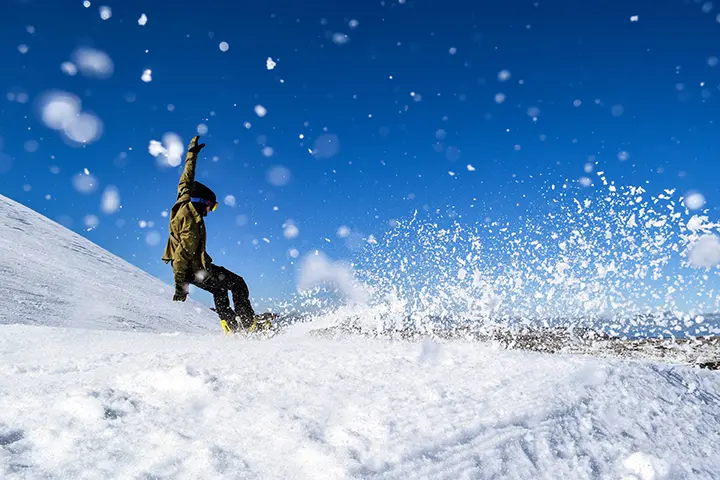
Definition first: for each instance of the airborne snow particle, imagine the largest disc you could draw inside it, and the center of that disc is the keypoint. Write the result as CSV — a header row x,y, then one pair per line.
x,y
84,183
31,146
634,18
224,46
202,129
57,108
343,232
293,252
533,112
23,49
712,61
83,128
268,151
577,103
470,168
617,110
105,12
326,146
705,253
499,98
452,50
340,38
171,149
91,221
440,134
623,155
69,68
353,23
110,200
93,62
230,200
86,4
146,76
585,181
694,200
247,125
270,63
142,21
504,75
588,167
153,238
290,230
260,111
278,176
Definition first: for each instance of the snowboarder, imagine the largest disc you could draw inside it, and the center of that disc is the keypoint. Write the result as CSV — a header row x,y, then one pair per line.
x,y
185,250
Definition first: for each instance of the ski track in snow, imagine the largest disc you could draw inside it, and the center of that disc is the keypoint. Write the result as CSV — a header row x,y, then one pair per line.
x,y
118,404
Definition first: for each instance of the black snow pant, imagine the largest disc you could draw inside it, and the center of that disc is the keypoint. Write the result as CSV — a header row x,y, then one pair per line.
x,y
220,280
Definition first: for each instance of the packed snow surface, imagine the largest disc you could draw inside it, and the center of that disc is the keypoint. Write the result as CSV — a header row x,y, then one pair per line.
x,y
52,276
92,404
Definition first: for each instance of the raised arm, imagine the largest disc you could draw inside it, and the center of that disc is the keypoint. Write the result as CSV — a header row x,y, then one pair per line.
x,y
188,177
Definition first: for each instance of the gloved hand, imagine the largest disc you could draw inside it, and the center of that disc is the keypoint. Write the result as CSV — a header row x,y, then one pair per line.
x,y
180,294
194,147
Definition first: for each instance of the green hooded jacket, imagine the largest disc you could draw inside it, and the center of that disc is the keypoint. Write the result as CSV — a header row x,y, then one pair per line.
x,y
186,244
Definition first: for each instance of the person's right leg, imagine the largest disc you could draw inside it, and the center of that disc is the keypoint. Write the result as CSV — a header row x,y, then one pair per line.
x,y
228,280
215,285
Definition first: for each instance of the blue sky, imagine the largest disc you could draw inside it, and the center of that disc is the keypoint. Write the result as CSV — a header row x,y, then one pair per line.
x,y
410,92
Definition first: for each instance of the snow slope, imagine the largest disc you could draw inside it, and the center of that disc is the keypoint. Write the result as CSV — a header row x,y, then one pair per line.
x,y
107,402
52,276
139,405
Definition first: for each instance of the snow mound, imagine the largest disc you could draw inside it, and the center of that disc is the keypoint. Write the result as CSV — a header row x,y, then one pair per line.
x,y
52,276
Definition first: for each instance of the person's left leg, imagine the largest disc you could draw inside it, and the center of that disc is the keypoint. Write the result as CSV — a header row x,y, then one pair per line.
x,y
228,280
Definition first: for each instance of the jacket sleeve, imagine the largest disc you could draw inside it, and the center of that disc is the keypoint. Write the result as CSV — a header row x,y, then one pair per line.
x,y
188,177
184,253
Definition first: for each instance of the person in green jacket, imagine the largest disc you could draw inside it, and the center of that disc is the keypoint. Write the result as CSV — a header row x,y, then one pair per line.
x,y
185,250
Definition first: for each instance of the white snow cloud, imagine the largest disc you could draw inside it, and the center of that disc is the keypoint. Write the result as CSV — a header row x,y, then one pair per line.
x,y
93,62
110,202
705,252
317,269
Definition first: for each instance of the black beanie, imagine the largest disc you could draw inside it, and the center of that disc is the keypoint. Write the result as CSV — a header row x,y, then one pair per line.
x,y
201,191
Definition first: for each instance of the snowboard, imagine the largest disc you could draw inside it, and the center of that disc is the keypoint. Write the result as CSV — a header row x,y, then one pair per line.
x,y
262,325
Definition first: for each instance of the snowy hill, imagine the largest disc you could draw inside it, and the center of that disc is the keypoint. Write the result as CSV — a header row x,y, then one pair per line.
x,y
96,403
52,276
